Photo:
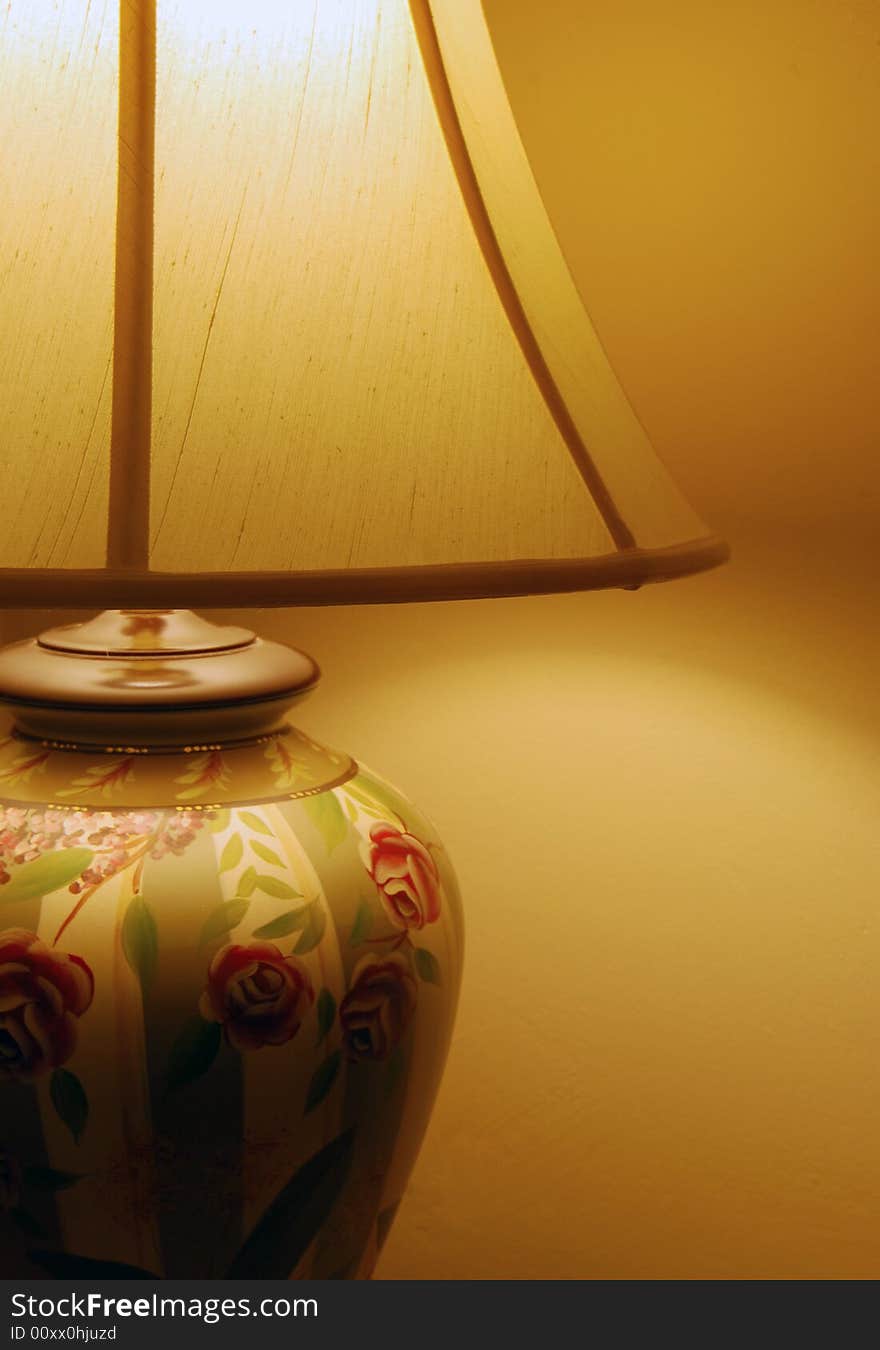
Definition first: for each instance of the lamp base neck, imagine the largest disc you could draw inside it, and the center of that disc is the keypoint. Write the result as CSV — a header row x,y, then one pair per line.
x,y
151,678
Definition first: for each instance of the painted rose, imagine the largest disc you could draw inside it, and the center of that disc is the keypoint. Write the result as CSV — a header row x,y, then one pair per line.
x,y
406,876
42,994
260,996
378,1006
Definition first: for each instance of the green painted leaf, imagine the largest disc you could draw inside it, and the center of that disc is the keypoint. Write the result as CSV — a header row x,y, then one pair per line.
x,y
27,1223
45,874
427,966
384,1220
394,1071
327,816
291,922
219,821
70,1101
346,1272
352,812
140,939
225,917
247,882
279,889
314,929
376,797
322,1081
193,1052
66,1266
232,853
255,822
363,922
267,854
290,1224
49,1179
326,1012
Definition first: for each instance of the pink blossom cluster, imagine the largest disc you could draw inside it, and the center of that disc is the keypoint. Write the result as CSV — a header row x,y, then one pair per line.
x,y
113,836
177,832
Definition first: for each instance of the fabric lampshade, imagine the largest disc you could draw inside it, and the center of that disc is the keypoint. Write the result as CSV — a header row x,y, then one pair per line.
x,y
373,377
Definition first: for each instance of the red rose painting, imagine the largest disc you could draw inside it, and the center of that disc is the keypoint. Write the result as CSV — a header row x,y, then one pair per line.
x,y
258,995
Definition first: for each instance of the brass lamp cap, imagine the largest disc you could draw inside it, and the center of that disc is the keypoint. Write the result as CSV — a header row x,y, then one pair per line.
x,y
121,632
151,677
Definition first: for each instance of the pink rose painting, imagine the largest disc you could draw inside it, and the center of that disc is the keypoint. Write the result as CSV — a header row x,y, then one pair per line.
x,y
406,876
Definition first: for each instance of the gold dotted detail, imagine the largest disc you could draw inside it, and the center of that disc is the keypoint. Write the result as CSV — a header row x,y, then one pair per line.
x,y
88,748
92,749
352,772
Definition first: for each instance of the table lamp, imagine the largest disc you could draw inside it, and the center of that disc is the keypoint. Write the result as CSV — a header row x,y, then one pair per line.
x,y
283,321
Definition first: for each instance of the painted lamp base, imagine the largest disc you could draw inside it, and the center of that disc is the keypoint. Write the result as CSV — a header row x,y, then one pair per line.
x,y
228,978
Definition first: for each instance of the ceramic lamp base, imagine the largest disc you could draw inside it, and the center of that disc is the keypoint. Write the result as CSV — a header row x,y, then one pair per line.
x,y
228,977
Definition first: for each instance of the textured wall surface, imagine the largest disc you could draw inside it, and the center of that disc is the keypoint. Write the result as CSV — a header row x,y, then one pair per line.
x,y
663,810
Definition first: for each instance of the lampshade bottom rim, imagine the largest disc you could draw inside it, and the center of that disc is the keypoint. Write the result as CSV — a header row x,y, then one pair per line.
x,y
27,588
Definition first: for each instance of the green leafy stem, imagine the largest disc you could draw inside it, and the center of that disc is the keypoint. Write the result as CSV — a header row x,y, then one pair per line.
x,y
308,919
426,964
275,1245
68,1096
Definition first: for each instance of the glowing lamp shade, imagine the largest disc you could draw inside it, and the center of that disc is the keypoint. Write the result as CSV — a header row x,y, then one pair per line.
x,y
372,375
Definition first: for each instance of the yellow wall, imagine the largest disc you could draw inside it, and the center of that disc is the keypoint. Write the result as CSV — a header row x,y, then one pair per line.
x,y
713,171
664,806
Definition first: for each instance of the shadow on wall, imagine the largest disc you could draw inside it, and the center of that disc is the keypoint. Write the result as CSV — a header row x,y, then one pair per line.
x,y
780,618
